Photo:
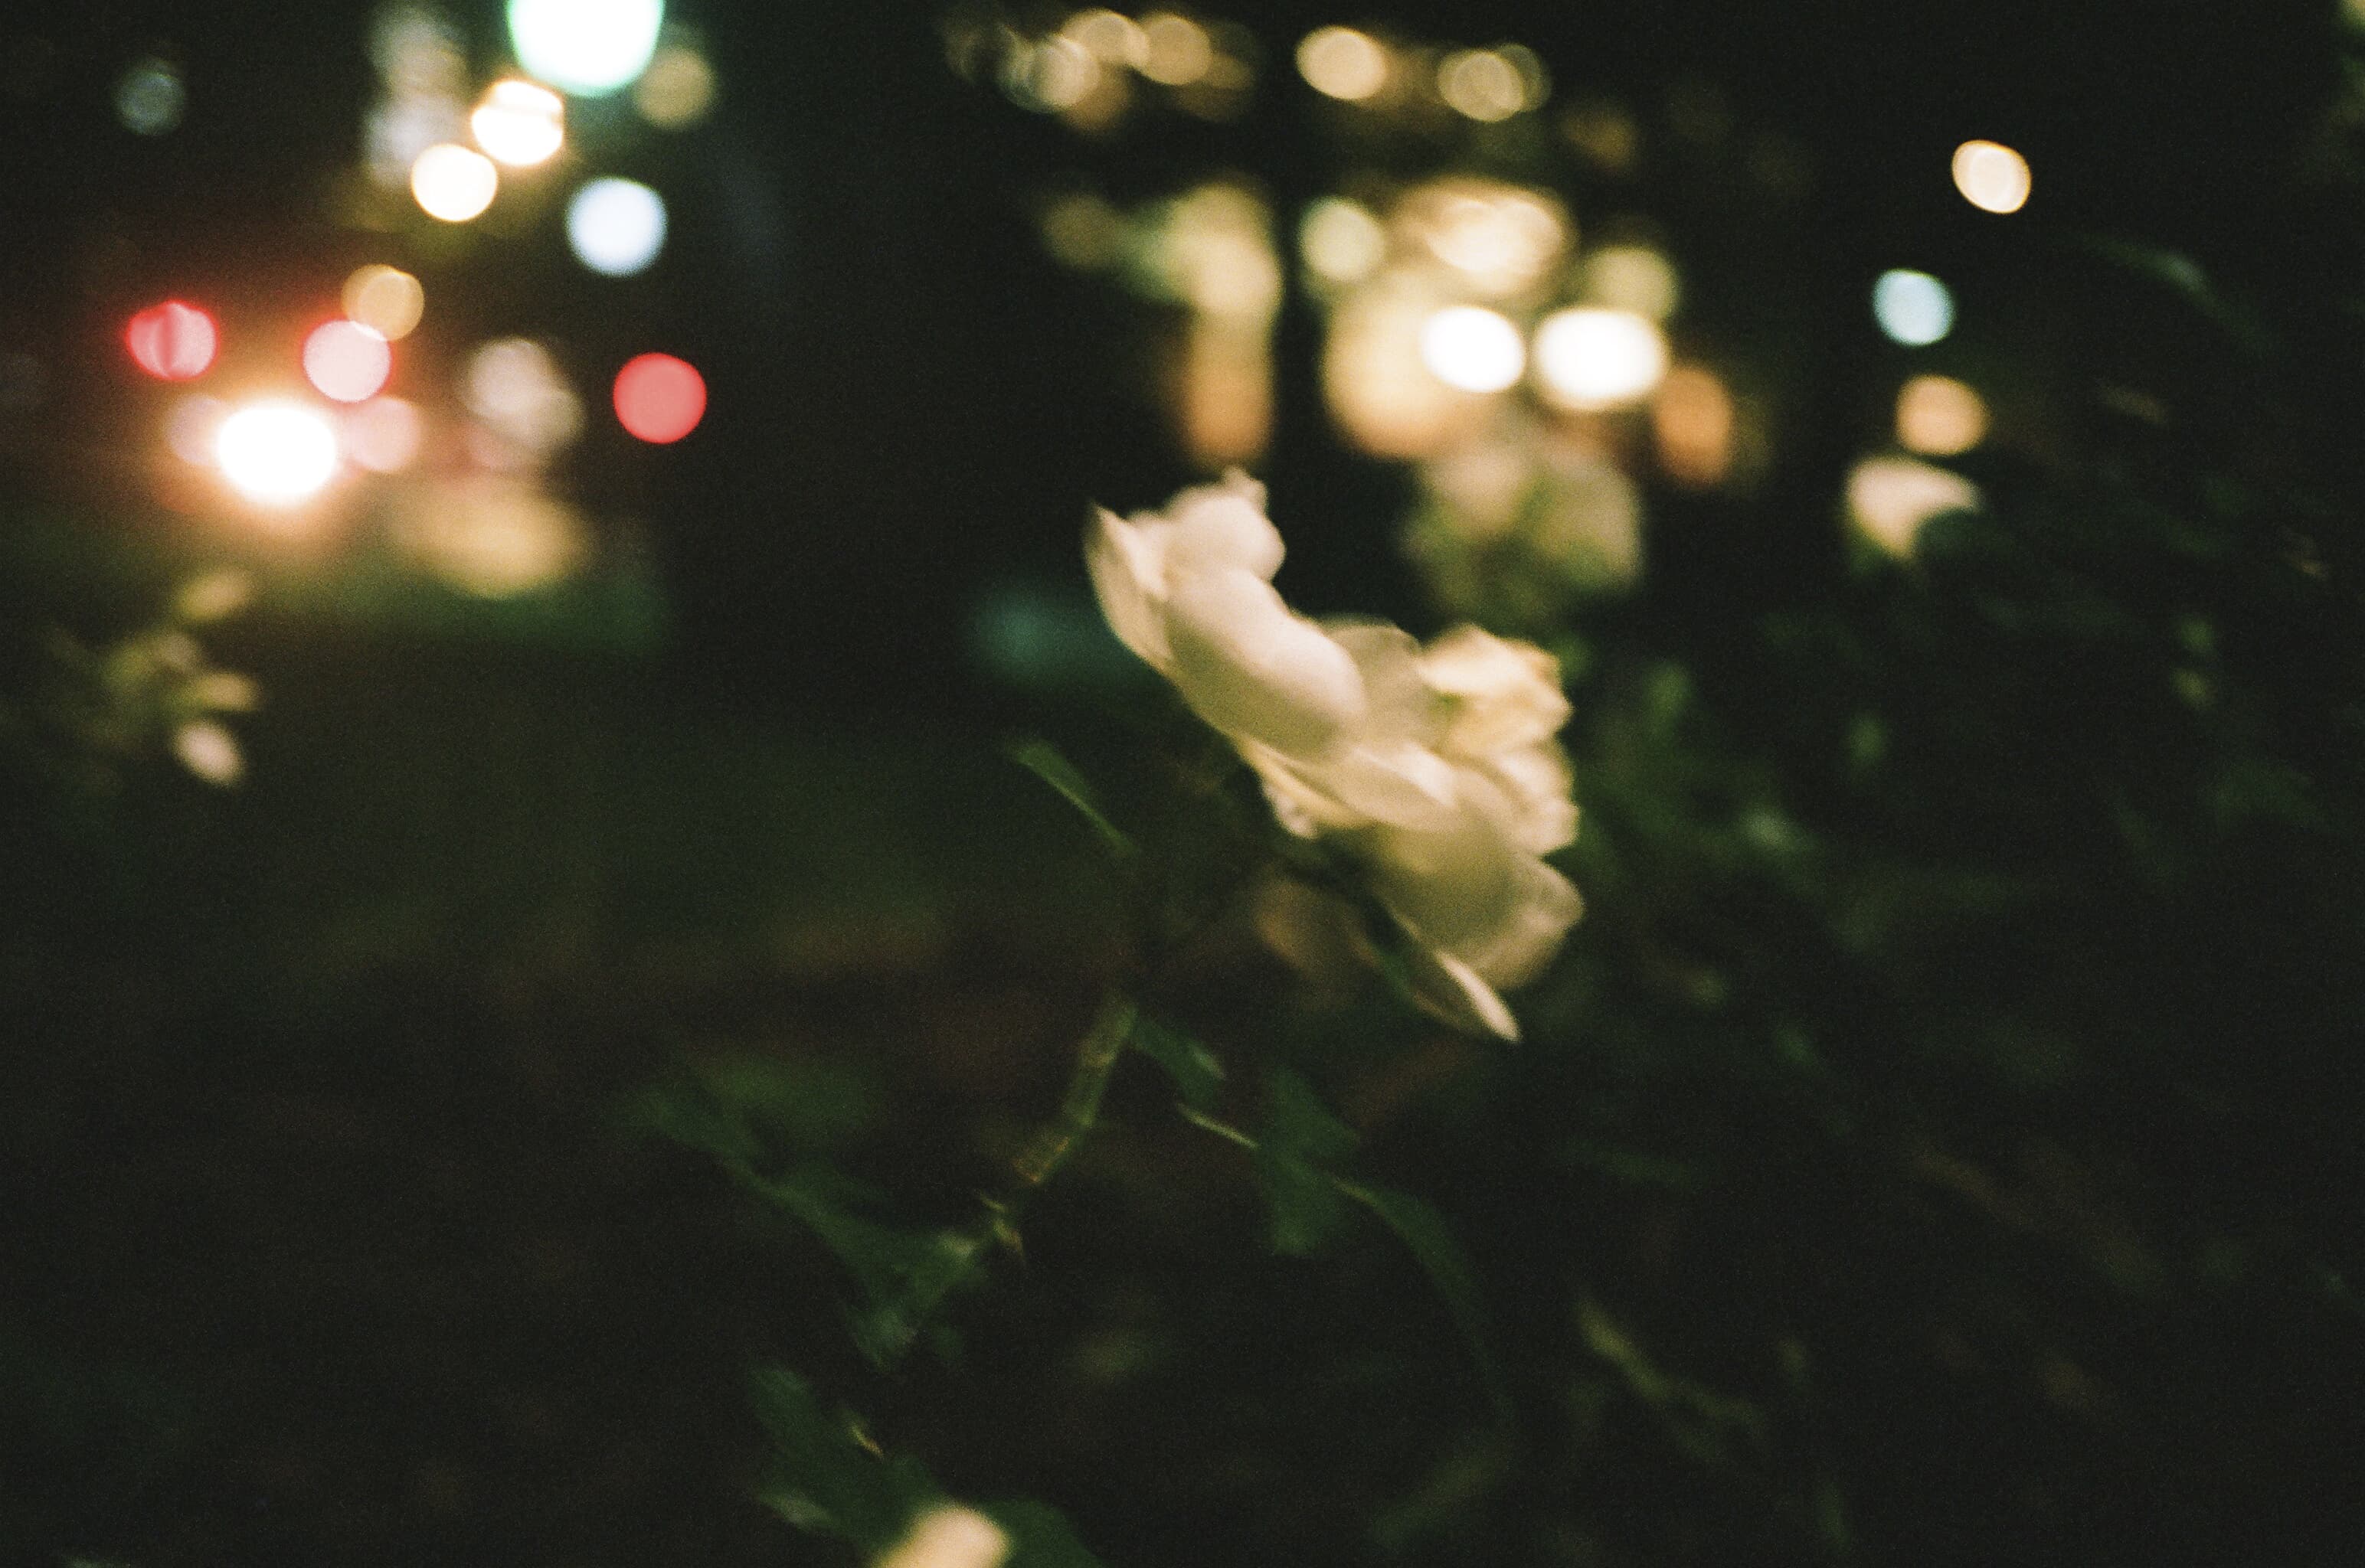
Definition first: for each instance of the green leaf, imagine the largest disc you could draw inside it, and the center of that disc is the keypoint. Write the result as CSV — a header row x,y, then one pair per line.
x,y
825,1477
882,1257
750,1108
1424,1232
1044,760
1296,1146
1198,1074
1040,1536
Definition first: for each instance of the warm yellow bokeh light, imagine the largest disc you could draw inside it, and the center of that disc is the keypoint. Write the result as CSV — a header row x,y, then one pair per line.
x,y
1991,176
1175,50
454,183
1482,84
1889,500
516,387
1385,399
385,298
1473,349
1216,252
1113,39
676,90
1692,420
520,123
1340,63
1590,358
276,453
1632,277
1500,237
1061,74
1938,416
497,538
1340,240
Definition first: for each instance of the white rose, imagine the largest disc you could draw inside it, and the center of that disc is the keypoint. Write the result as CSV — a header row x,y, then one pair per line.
x,y
1435,768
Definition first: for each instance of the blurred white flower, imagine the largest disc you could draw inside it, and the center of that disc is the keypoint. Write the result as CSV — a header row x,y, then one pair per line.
x,y
1436,769
949,1537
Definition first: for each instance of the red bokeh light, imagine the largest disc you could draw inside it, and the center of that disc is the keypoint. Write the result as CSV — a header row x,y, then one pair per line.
x,y
347,361
173,341
660,398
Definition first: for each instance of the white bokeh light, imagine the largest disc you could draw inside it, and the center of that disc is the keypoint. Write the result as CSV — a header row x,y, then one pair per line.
x,y
454,183
585,47
1593,358
520,123
1474,349
276,453
616,227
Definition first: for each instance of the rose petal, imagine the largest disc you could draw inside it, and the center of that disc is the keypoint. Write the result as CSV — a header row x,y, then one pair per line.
x,y
1506,694
1532,796
1471,892
1451,990
1251,667
1219,526
1128,567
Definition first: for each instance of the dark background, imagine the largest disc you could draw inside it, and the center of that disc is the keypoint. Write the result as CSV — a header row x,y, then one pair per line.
x,y
1991,1136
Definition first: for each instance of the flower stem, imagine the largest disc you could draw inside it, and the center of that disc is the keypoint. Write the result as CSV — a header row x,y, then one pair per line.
x,y
1080,1108
960,1255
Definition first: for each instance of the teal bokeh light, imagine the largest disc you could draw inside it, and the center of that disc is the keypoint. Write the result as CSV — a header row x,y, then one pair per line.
x,y
1913,308
585,47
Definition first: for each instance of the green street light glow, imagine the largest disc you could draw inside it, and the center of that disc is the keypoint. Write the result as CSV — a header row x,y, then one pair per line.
x,y
585,47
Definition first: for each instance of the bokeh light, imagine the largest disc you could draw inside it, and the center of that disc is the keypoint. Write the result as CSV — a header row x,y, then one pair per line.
x,y
1482,84
417,52
676,90
454,183
347,361
1474,349
1693,421
276,453
1385,397
659,398
520,123
1111,37
585,47
616,227
207,749
1340,240
1913,308
516,388
1057,73
149,97
214,594
1213,250
172,341
1938,416
1501,239
1890,499
1175,50
1991,176
1591,358
190,428
383,434
387,299
1632,277
1342,64
495,537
